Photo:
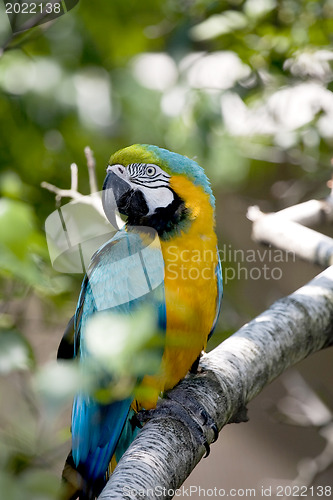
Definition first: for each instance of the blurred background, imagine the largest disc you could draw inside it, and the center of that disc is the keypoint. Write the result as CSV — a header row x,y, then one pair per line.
x,y
245,88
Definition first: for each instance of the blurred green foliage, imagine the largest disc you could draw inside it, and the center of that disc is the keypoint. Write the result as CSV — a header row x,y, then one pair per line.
x,y
243,86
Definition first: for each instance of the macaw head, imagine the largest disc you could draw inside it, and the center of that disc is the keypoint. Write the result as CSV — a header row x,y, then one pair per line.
x,y
156,188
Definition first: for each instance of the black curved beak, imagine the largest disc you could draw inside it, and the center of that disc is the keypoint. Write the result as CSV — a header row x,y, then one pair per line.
x,y
115,192
119,195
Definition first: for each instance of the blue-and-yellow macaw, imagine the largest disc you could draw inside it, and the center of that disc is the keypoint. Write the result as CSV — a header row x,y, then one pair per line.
x,y
169,193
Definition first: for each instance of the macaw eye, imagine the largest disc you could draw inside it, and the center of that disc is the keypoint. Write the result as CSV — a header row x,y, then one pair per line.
x,y
150,170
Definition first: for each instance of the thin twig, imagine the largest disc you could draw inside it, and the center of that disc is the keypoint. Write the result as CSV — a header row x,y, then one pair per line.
x,y
91,163
61,193
93,199
74,177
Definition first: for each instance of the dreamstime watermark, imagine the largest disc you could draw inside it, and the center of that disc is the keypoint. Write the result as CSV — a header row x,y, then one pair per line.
x,y
26,14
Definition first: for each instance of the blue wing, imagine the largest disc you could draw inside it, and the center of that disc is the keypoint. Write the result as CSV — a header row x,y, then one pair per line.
x,y
219,280
124,273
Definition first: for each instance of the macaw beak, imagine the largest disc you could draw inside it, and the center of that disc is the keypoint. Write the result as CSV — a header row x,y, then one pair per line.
x,y
119,195
115,192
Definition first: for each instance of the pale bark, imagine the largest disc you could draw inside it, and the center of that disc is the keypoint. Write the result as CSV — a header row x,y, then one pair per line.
x,y
165,452
309,213
286,230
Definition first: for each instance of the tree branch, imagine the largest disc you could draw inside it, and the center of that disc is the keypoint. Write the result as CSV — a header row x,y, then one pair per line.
x,y
286,230
310,213
233,374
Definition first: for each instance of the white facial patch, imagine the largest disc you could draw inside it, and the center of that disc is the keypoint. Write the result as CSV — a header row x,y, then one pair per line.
x,y
153,182
159,197
148,178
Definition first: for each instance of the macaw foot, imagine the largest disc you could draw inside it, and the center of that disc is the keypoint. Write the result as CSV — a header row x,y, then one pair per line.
x,y
184,407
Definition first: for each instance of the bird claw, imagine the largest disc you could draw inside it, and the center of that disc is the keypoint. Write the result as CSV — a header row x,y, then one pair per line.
x,y
185,408
142,416
209,422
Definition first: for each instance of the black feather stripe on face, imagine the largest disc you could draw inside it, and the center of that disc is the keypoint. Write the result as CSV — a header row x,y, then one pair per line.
x,y
165,220
134,205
